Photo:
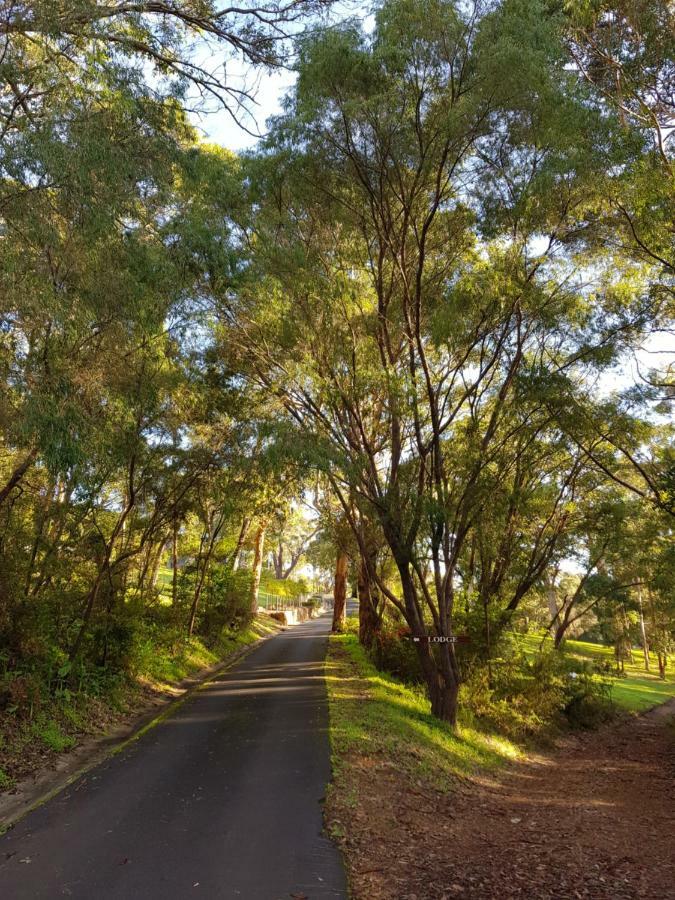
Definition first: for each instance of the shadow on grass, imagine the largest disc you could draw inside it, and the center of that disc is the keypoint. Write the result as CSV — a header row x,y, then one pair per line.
x,y
372,713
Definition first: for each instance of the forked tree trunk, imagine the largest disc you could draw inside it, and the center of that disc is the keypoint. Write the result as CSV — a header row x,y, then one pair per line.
x,y
258,548
440,674
559,635
340,592
662,664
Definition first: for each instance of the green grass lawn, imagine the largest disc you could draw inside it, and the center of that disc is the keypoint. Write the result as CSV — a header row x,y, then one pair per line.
x,y
638,691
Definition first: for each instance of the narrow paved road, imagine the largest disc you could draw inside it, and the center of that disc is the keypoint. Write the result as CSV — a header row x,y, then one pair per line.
x,y
222,800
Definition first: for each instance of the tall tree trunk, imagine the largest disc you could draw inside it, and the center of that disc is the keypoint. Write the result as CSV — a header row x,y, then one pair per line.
x,y
258,548
440,675
643,631
626,628
661,657
154,572
559,635
103,571
552,600
174,561
201,575
340,591
243,531
214,527
369,619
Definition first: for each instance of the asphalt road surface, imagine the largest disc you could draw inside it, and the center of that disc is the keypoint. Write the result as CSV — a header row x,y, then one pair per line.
x,y
222,799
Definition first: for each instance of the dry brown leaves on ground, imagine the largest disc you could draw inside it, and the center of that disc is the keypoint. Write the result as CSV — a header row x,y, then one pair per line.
x,y
592,820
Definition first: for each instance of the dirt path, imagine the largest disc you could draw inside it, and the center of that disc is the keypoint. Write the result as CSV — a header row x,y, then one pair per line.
x,y
595,820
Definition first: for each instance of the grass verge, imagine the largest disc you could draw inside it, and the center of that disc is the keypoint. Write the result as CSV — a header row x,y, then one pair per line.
x,y
375,715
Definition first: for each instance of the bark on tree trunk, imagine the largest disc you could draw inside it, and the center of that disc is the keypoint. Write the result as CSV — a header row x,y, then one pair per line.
x,y
662,664
340,592
257,565
154,572
214,531
201,575
102,573
369,620
552,600
174,562
442,687
441,677
245,525
643,631
559,635
279,563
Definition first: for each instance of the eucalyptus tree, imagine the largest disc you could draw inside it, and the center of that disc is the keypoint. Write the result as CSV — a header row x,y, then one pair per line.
x,y
49,46
626,50
418,303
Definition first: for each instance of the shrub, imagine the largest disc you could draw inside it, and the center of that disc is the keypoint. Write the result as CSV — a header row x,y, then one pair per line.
x,y
531,695
393,653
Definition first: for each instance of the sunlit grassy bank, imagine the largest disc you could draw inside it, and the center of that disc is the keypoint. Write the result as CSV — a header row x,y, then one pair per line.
x,y
637,691
373,714
165,667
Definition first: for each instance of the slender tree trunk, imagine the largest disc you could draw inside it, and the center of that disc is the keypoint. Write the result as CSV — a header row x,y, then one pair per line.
x,y
154,573
103,571
369,619
488,639
145,568
214,527
201,575
643,631
552,600
243,531
278,558
258,549
88,609
626,626
174,561
340,591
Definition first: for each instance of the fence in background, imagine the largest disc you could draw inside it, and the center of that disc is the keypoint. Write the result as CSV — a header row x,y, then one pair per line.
x,y
276,602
